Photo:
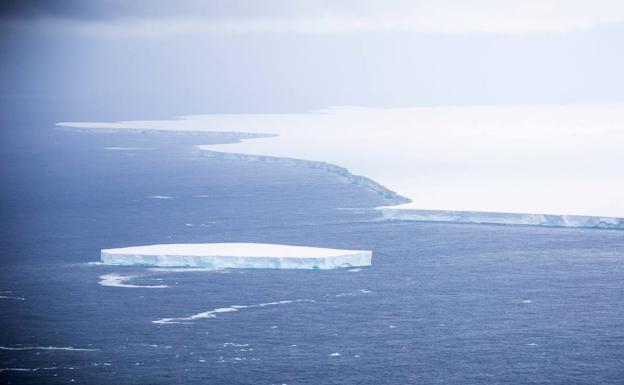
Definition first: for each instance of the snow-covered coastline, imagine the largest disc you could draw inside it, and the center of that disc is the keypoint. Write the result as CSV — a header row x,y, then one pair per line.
x,y
234,255
559,164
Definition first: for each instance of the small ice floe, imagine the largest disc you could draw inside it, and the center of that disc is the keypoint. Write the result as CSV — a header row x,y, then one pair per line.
x,y
71,348
527,301
129,148
392,327
159,197
335,355
357,270
117,280
532,344
274,327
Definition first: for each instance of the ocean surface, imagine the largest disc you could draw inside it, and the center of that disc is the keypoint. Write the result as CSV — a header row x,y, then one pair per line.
x,y
441,304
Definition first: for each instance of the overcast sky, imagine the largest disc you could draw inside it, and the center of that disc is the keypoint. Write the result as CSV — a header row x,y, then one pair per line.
x,y
142,58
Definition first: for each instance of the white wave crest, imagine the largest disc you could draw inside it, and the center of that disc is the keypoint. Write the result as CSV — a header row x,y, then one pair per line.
x,y
188,270
129,148
117,280
159,197
70,348
213,313
10,297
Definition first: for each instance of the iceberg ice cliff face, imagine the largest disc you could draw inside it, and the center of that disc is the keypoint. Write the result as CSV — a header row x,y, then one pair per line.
x,y
502,218
236,255
388,195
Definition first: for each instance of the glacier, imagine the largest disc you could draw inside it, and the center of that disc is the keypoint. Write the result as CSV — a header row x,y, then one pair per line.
x,y
548,165
235,255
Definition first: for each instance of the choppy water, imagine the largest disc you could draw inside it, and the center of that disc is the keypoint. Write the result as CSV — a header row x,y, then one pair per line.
x,y
442,303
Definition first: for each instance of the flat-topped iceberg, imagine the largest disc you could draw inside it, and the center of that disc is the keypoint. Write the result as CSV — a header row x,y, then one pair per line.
x,y
236,255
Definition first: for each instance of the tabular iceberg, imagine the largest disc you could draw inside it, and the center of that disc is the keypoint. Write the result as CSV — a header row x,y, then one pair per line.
x,y
236,255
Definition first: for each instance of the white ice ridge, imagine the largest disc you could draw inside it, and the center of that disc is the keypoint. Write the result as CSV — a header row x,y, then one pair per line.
x,y
236,255
562,161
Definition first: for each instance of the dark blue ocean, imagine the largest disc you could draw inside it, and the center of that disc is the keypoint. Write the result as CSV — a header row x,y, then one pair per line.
x,y
441,304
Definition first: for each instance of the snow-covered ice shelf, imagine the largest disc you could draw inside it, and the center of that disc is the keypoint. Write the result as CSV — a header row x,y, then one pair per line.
x,y
548,165
236,255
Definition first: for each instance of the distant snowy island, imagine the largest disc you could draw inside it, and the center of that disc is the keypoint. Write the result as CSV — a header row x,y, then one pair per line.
x,y
235,255
549,165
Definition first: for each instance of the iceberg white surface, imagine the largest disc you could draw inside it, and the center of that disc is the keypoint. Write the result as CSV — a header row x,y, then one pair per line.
x,y
236,255
558,160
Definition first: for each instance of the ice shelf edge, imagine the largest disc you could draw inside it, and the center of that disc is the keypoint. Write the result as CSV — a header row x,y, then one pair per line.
x,y
477,217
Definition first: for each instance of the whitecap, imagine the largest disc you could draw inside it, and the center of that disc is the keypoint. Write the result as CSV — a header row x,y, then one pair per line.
x,y
353,293
10,297
213,313
335,355
129,148
160,197
71,348
187,269
117,280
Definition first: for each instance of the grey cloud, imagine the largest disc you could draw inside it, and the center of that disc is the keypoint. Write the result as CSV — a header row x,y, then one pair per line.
x,y
310,16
